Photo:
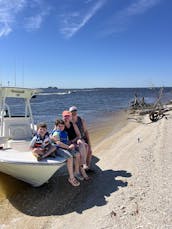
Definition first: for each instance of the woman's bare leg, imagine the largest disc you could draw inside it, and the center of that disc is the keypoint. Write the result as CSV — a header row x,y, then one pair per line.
x,y
77,163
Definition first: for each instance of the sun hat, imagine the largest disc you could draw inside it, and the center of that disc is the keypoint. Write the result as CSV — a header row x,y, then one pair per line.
x,y
73,108
65,113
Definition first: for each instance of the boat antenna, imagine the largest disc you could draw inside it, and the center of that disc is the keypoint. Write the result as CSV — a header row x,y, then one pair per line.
x,y
23,73
15,74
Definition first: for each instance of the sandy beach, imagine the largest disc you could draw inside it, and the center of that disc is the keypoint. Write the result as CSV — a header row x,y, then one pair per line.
x,y
130,189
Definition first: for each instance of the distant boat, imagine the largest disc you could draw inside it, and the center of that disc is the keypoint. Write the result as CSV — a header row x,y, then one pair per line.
x,y
15,135
55,93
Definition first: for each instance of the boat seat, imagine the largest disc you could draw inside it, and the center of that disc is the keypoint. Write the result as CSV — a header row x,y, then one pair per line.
x,y
17,128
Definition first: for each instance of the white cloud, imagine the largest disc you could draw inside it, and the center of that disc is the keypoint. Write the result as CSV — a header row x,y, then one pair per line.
x,y
139,7
11,9
34,12
8,11
74,21
4,30
38,10
122,18
88,1
33,22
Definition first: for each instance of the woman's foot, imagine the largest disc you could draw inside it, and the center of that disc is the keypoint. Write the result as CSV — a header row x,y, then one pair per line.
x,y
85,176
79,177
85,166
73,181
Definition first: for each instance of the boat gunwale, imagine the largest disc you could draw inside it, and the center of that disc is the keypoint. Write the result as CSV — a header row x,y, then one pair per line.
x,y
36,163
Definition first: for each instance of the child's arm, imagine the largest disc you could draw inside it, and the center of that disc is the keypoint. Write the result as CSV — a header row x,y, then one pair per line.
x,y
51,149
56,139
39,151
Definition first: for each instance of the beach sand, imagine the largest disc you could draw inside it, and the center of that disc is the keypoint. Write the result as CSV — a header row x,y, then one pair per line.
x,y
130,189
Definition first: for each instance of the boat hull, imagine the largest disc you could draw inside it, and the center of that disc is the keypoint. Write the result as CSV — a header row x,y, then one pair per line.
x,y
27,168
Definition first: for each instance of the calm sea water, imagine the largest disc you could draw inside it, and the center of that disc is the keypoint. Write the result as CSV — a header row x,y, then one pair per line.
x,y
93,104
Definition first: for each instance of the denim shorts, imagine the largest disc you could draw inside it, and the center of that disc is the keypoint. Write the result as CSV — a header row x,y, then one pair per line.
x,y
65,153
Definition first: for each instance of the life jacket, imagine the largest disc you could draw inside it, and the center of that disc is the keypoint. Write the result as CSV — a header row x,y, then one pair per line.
x,y
42,142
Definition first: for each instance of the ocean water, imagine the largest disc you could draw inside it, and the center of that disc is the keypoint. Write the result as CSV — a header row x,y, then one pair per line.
x,y
93,104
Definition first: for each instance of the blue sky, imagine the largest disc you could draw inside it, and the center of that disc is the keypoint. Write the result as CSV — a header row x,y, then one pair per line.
x,y
86,43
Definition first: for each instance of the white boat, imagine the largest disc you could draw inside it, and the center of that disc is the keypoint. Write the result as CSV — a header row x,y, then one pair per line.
x,y
16,131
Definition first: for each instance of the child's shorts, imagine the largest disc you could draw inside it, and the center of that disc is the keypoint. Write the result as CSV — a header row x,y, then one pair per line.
x,y
66,153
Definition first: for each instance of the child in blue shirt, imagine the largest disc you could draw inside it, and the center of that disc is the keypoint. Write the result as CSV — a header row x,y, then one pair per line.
x,y
60,137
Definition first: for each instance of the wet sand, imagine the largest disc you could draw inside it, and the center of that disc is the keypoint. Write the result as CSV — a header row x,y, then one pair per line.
x,y
130,189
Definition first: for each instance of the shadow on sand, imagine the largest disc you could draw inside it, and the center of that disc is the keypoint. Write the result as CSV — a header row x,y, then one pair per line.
x,y
58,197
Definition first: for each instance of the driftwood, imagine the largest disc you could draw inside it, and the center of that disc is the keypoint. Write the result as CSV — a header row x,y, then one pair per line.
x,y
156,111
138,104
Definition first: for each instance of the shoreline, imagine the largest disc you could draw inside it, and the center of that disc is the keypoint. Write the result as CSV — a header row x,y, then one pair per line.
x,y
131,188
107,125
